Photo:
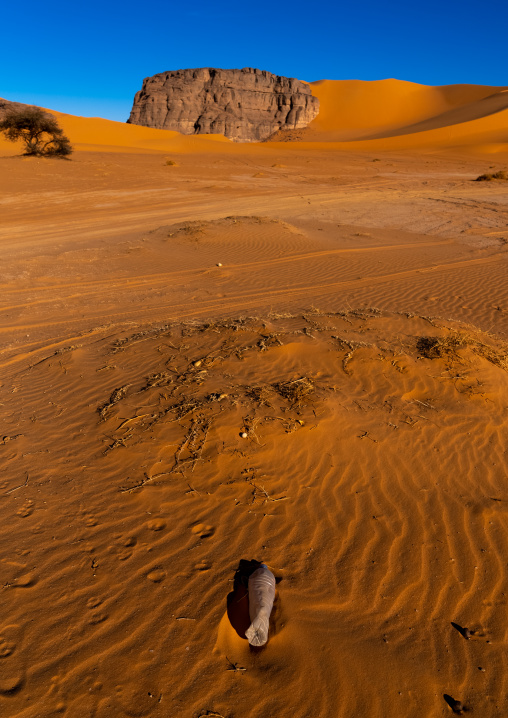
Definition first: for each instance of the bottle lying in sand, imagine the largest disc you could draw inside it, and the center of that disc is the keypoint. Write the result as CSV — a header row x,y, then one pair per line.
x,y
261,597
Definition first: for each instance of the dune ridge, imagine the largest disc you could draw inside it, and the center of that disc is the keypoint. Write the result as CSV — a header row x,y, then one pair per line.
x,y
95,133
420,115
360,105
405,115
382,114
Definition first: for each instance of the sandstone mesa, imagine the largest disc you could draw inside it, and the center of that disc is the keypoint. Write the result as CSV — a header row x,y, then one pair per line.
x,y
245,105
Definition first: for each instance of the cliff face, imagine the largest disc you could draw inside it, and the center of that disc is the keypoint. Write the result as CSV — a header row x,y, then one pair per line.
x,y
245,105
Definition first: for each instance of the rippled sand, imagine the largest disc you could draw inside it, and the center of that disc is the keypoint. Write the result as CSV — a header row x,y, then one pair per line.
x,y
344,308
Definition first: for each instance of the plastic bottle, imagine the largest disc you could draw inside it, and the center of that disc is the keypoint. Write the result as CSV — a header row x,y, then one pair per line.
x,y
261,598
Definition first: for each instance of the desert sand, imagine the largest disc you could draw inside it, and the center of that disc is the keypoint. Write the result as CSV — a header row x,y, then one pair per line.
x,y
340,299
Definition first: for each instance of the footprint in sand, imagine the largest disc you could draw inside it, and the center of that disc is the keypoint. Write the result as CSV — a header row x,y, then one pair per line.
x,y
97,615
129,541
124,555
123,547
12,672
24,581
156,524
7,647
26,510
55,690
138,695
84,706
16,575
157,575
202,530
93,602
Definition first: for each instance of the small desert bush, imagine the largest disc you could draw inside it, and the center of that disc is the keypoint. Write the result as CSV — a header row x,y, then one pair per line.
x,y
488,177
38,130
438,347
296,391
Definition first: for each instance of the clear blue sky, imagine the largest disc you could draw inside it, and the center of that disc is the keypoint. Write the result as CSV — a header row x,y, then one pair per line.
x,y
89,58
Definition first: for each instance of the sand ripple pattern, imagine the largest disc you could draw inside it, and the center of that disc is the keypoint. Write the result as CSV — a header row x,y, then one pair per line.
x,y
372,482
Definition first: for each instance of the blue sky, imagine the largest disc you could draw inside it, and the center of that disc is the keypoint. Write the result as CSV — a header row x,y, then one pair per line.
x,y
90,58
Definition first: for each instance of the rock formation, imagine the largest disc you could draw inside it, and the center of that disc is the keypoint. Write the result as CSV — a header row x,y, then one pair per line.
x,y
245,105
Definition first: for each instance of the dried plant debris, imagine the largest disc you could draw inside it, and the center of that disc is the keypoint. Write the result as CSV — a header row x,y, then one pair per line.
x,y
57,352
432,347
350,347
260,394
120,344
190,450
297,391
116,396
158,379
268,340
196,401
488,176
216,396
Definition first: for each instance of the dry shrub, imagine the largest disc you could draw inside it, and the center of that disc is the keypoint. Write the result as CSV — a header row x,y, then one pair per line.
x,y
192,228
296,391
260,394
435,347
488,177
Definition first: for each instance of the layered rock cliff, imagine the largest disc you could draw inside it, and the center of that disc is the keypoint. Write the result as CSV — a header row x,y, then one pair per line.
x,y
245,105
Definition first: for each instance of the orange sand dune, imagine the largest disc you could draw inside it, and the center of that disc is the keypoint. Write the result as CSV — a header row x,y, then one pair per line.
x,y
386,114
351,107
392,114
486,135
384,111
483,108
94,133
